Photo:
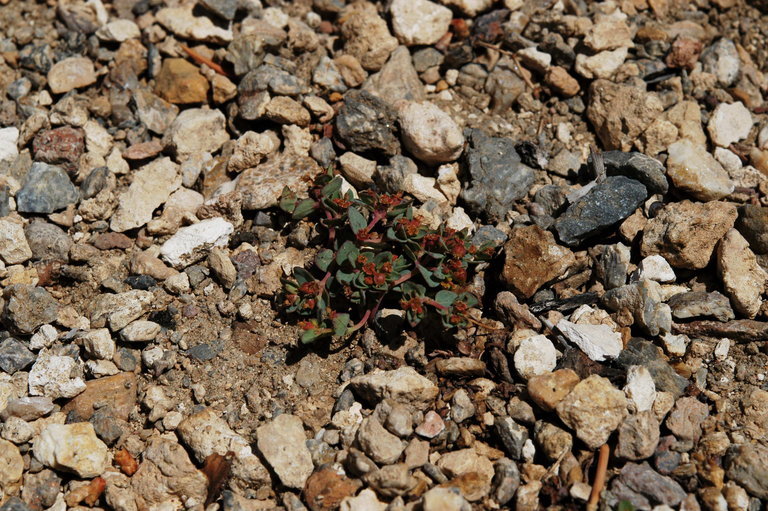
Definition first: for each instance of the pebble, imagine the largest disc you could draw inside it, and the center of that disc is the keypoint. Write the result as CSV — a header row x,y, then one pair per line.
x,y
644,300
11,468
183,23
397,80
554,442
497,175
685,233
743,278
722,60
655,268
747,464
752,223
644,488
429,133
119,31
640,388
196,130
460,463
153,111
403,385
357,170
14,248
638,166
366,500
444,499
685,419
192,243
9,138
513,436
462,407
469,7
366,35
327,75
46,189
55,376
151,187
181,83
27,408
379,444
367,123
28,307
638,436
562,82
432,425
694,171
534,356
140,331
460,367
594,409
729,123
506,481
72,447
117,310
285,110
608,34
14,356
419,22
696,304
423,188
547,390
71,73
645,353
282,444
601,65
598,342
603,206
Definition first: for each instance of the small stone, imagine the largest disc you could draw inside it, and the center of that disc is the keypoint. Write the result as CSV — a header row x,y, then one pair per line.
x,y
71,73
554,442
547,390
326,75
462,407
397,80
282,443
326,488
469,7
608,34
693,170
743,278
444,499
183,23
685,233
638,436
46,189
72,447
601,65
55,376
533,259
655,268
561,81
48,242
512,435
27,408
14,356
378,443
367,123
686,418
261,186
644,301
358,170
250,149
456,464
9,138
404,385
746,465
423,188
419,22
11,470
28,307
181,83
196,130
506,481
638,166
460,366
192,243
119,391
534,356
151,187
753,225
14,248
366,35
594,409
432,425
598,342
722,60
119,31
643,487
429,133
366,500
640,388
118,309
154,112
140,331
285,110
729,123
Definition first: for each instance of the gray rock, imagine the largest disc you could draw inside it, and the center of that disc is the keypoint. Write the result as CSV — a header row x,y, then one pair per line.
x,y
747,464
367,123
612,265
246,53
47,241
397,79
425,58
97,180
323,152
644,487
722,60
223,8
603,206
498,177
506,481
639,167
645,353
752,223
512,435
462,407
638,436
14,356
327,76
552,198
153,111
46,189
696,304
390,177
489,234
644,300
505,87
41,489
28,307
15,504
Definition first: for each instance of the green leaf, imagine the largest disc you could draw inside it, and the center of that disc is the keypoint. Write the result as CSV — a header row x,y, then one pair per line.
x,y
470,299
323,259
427,276
287,200
445,297
332,187
345,278
356,220
310,335
340,324
345,250
625,505
303,208
302,276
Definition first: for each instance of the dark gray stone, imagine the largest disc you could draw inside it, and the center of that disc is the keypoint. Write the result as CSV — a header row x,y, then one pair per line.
x,y
747,464
489,234
28,307
245,53
125,360
752,223
498,177
425,58
697,304
5,201
506,481
512,435
642,300
367,123
98,179
106,426
602,207
46,189
612,265
323,152
551,198
645,487
47,241
41,489
639,167
224,8
505,87
205,351
15,356
389,178
645,353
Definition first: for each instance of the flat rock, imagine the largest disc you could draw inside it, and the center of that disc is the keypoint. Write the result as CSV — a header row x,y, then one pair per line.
x,y
282,442
397,80
685,233
262,185
153,111
696,304
117,310
429,133
593,409
644,487
419,21
28,307
118,391
379,444
182,22
73,448
193,242
366,35
404,385
71,73
464,461
645,353
180,83
532,258
639,167
55,376
743,278
196,130
151,187
604,205
46,189
598,342
14,248
696,172
753,225
118,31
547,390
367,123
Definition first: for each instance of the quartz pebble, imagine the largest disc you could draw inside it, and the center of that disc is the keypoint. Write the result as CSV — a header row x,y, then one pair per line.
x,y
190,244
72,447
71,73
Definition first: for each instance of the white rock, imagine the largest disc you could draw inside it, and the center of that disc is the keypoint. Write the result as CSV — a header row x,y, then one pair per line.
x,y
729,123
177,284
640,388
358,170
14,248
55,376
762,138
45,336
97,139
460,220
275,16
423,188
448,182
192,243
419,21
728,159
675,344
72,447
140,331
119,31
180,207
429,133
282,443
9,138
535,355
534,59
722,348
608,34
366,500
296,140
404,385
71,73
598,342
602,65
693,170
655,267
197,130
182,22
101,368
122,308
99,344
251,149
151,187
469,7
444,499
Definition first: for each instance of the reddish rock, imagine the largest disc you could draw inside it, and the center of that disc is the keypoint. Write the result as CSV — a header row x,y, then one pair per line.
x,y
684,53
181,83
326,488
110,240
143,150
62,146
118,391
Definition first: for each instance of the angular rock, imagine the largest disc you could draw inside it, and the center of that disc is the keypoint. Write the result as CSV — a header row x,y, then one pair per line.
x,y
722,60
645,353
282,443
512,435
603,206
404,385
638,436
686,417
694,171
594,409
547,390
397,80
181,83
747,464
196,130
71,73
156,113
729,123
598,342
382,446
48,242
444,499
192,243
119,31
419,22
640,388
696,304
183,23
639,167
14,248
46,189
14,356
534,356
655,268
72,447
367,123
644,301
464,461
685,233
151,187
119,391
743,278
429,133
366,35
644,488
612,265
261,186
28,307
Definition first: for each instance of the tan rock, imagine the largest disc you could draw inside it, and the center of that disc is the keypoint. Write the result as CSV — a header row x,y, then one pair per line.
x,y
593,409
119,392
72,447
11,469
71,73
547,390
151,187
366,34
181,83
532,259
466,461
743,278
561,81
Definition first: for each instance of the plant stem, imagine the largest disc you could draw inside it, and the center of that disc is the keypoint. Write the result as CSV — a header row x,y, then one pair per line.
x,y
360,323
599,482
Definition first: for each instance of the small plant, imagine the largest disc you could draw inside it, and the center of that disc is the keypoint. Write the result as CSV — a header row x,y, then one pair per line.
x,y
378,252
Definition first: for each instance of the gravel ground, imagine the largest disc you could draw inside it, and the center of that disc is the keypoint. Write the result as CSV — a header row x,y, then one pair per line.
x,y
616,154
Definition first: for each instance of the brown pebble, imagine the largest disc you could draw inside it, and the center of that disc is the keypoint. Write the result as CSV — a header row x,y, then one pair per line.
x,y
110,240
